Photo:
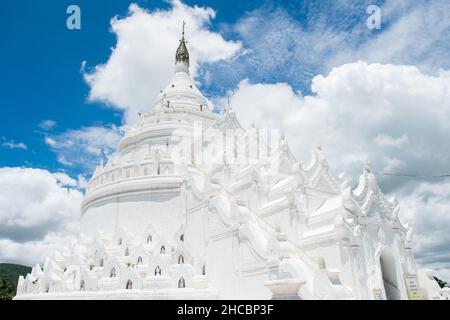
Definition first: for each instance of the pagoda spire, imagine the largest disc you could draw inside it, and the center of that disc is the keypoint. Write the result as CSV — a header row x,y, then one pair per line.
x,y
182,54
182,33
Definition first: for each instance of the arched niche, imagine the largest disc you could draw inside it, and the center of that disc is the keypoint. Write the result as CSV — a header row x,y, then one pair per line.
x,y
157,271
181,283
82,285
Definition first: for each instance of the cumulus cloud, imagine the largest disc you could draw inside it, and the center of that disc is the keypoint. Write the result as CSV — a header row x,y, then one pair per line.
x,y
84,147
360,110
38,212
427,207
141,64
396,115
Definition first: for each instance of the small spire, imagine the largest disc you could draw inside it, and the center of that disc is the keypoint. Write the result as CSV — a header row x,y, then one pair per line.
x,y
368,165
164,100
320,155
182,34
227,107
182,54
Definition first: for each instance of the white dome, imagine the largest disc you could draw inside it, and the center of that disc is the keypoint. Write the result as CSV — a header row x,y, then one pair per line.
x,y
181,91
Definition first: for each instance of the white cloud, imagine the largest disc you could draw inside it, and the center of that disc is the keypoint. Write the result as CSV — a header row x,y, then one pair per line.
x,y
392,164
388,141
64,180
355,105
82,181
14,145
427,207
283,48
38,212
84,147
47,124
50,141
142,62
31,252
395,115
62,160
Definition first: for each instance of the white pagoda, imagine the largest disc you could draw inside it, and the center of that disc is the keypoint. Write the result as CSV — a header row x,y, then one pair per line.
x,y
194,206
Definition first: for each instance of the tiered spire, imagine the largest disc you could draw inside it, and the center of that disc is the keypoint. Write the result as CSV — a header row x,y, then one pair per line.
x,y
182,54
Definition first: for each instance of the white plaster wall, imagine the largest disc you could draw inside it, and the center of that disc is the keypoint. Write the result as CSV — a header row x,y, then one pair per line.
x,y
253,272
222,272
227,274
135,213
195,233
253,286
335,258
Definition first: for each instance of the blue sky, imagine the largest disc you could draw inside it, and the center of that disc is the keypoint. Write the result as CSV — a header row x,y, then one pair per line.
x,y
311,67
40,76
41,60
40,63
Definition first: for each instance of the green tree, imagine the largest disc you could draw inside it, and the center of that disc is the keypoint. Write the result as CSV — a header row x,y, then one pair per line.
x,y
7,289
